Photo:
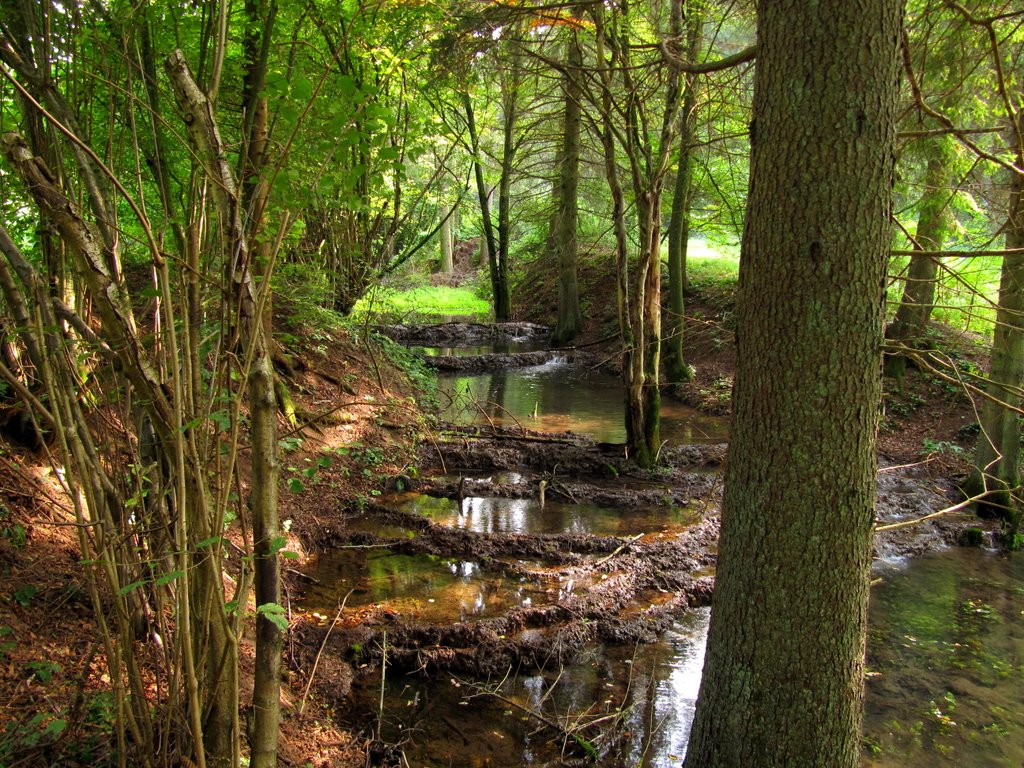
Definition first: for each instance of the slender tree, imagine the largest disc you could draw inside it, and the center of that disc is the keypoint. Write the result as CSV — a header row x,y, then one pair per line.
x,y
783,676
915,309
566,220
676,369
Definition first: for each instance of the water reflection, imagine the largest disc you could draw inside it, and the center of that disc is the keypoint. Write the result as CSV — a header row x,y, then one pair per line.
x,y
498,515
503,346
422,587
560,396
946,670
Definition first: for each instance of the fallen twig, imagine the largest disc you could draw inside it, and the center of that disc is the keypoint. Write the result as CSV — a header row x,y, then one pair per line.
x,y
319,653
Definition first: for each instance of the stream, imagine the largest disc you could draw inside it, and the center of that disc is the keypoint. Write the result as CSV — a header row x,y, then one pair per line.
x,y
946,639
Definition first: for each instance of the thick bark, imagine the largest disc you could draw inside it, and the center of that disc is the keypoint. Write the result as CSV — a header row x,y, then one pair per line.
x,y
908,327
998,455
676,369
783,676
570,319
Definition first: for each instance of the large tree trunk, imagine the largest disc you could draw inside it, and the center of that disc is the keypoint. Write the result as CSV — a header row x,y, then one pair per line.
x,y
908,327
783,677
570,319
997,460
676,369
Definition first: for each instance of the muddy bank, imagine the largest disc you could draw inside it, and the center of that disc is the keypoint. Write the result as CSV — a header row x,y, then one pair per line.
x,y
562,454
628,594
501,361
464,334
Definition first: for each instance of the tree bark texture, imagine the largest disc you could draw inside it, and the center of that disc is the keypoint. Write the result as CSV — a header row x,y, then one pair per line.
x,y
447,249
783,677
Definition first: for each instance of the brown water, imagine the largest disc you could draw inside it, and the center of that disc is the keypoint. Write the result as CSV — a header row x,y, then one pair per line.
x,y
420,587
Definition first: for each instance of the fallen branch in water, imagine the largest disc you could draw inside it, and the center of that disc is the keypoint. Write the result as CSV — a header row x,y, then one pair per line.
x,y
625,544
955,508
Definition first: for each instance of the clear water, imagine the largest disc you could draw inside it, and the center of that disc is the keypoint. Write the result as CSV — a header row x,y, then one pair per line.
x,y
946,663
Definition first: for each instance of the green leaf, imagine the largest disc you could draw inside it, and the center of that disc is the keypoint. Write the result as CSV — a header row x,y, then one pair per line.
x,y
130,587
275,614
208,542
277,544
302,88
55,728
167,578
295,485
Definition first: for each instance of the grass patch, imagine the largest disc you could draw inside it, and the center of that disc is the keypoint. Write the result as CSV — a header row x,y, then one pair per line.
x,y
708,264
429,302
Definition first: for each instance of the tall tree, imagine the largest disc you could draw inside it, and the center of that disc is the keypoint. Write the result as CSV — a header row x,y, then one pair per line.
x,y
676,369
908,327
998,457
783,676
645,135
566,221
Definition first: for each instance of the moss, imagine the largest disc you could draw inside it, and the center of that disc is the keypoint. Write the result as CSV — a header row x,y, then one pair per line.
x,y
971,537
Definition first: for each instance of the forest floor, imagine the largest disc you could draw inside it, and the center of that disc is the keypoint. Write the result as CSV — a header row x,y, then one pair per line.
x,y
366,436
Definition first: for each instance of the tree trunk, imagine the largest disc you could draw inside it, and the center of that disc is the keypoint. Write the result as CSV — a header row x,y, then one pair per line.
x,y
908,327
489,245
447,251
676,369
997,460
570,319
783,677
253,331
501,285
